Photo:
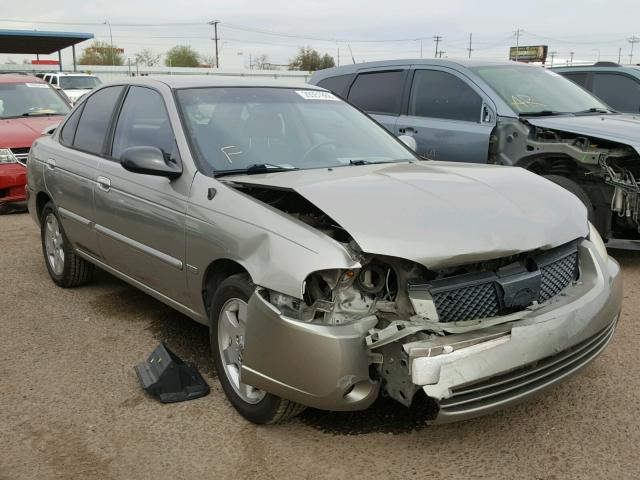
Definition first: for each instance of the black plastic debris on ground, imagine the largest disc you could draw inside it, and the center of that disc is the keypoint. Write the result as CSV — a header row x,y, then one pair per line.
x,y
165,376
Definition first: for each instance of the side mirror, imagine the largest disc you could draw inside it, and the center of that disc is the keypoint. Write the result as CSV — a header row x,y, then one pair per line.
x,y
149,161
409,141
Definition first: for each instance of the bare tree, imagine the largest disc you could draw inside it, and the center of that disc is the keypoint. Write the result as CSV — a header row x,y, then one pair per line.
x,y
262,62
147,57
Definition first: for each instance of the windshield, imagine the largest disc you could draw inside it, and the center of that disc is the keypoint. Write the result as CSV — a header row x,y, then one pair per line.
x,y
79,83
537,90
235,129
30,100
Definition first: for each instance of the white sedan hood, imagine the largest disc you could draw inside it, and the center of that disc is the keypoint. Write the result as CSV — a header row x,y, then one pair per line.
x,y
436,213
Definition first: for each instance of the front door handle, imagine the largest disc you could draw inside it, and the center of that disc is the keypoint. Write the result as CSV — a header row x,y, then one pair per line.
x,y
51,163
409,130
104,183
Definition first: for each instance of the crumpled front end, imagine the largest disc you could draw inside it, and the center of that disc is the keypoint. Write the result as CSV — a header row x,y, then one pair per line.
x,y
474,338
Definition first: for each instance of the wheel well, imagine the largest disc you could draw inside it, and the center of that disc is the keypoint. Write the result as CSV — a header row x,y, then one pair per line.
x,y
41,200
215,273
563,166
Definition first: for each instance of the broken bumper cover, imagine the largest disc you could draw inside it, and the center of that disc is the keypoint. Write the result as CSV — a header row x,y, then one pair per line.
x,y
521,359
321,366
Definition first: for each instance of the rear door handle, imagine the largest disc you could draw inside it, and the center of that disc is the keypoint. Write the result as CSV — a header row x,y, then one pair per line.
x,y
104,183
51,163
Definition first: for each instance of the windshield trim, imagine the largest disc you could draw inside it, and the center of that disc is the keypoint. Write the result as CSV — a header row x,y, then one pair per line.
x,y
203,166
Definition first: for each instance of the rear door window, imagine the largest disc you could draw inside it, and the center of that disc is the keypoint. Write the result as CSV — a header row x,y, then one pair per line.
x,y
95,119
620,92
579,78
438,94
378,92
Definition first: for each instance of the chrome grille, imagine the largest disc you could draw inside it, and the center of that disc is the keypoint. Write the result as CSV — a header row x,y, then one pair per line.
x,y
518,383
21,154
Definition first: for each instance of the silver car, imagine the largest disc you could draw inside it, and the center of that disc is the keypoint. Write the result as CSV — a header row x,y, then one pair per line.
x,y
330,263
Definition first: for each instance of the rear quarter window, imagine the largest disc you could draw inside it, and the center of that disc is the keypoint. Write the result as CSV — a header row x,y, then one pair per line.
x,y
337,84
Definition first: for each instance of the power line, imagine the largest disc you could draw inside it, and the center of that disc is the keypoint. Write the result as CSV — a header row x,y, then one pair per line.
x,y
633,40
437,39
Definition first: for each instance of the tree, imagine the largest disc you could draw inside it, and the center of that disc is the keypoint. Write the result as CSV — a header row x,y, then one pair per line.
x,y
182,56
208,60
310,60
147,57
101,53
262,62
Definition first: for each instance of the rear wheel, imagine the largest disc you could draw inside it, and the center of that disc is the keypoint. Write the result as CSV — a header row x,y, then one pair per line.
x,y
576,189
227,319
65,267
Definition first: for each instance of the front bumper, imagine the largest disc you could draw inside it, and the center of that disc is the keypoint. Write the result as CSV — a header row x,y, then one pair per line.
x,y
467,375
13,178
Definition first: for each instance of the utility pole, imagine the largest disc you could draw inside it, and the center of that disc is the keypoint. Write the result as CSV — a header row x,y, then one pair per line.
x,y
470,49
553,55
111,56
633,40
338,56
441,52
437,39
215,38
517,33
571,61
420,47
619,54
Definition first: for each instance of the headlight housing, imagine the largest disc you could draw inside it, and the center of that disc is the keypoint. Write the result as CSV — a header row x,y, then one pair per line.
x,y
596,239
7,156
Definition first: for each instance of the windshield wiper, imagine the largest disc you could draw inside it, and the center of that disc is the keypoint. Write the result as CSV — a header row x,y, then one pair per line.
x,y
360,162
255,169
542,113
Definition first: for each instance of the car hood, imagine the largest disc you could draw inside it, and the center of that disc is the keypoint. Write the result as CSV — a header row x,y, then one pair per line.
x,y
21,132
75,93
436,213
621,128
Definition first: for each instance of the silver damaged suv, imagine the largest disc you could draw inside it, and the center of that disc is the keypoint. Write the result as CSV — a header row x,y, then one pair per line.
x,y
330,263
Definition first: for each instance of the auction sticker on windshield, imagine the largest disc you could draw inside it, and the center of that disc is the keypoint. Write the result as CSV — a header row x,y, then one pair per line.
x,y
37,85
316,95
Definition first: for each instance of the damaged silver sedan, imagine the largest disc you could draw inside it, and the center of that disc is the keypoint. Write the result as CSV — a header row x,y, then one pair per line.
x,y
331,264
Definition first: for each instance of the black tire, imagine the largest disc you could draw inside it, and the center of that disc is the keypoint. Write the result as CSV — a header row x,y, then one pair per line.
x,y
271,409
76,270
576,189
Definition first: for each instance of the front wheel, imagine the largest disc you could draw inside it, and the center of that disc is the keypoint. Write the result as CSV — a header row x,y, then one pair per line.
x,y
576,189
227,326
65,267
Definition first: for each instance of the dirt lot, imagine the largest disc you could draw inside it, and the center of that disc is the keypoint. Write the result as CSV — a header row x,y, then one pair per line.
x,y
71,407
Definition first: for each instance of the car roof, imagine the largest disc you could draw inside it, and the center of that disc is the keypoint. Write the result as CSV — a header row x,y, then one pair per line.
x,y
193,81
19,78
69,74
345,69
633,69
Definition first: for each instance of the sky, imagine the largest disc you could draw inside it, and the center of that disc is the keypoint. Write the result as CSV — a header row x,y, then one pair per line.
x,y
359,30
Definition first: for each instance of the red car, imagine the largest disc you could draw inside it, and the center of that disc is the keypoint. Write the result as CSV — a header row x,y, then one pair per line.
x,y
27,106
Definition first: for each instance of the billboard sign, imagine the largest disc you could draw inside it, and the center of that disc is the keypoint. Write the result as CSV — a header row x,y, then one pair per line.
x,y
533,53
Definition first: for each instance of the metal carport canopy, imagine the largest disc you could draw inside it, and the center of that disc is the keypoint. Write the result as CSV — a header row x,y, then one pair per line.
x,y
39,42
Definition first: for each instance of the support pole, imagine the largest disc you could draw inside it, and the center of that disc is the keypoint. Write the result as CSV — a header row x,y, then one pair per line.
x,y
59,61
73,50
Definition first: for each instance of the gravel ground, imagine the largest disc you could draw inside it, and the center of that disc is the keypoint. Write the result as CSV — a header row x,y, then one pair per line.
x,y
71,407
